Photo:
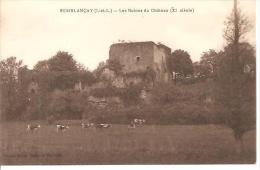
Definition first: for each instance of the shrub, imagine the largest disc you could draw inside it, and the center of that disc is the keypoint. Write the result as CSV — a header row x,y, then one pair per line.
x,y
131,95
170,93
68,104
105,92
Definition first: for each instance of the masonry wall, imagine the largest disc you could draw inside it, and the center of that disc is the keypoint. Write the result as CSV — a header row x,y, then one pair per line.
x,y
160,54
133,56
137,56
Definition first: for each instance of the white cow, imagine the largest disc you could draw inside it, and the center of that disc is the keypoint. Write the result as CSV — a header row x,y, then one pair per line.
x,y
87,125
139,121
32,128
61,128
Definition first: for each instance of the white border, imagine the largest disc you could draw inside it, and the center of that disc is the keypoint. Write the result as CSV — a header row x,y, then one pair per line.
x,y
170,167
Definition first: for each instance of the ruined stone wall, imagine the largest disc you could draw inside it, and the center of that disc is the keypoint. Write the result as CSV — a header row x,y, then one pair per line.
x,y
137,56
160,54
133,56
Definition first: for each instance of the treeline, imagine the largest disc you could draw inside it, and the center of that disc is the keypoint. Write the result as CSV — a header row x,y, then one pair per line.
x,y
25,93
56,77
54,96
48,90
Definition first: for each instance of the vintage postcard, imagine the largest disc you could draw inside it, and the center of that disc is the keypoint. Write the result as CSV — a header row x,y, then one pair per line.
x,y
127,82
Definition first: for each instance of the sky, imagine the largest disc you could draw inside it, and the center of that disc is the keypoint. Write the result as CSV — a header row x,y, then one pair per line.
x,y
36,30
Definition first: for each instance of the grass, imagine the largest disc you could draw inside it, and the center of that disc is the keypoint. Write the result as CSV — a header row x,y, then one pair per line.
x,y
150,144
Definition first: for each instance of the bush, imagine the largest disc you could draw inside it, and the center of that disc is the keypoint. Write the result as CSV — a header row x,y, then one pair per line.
x,y
131,95
50,119
68,104
170,105
105,92
169,93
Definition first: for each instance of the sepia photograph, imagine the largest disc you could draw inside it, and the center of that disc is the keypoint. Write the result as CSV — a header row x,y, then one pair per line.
x,y
128,82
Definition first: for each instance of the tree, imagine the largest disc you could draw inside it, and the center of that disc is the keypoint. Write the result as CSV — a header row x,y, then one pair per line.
x,y
208,59
237,25
131,94
84,75
235,91
24,96
100,68
180,62
67,104
60,71
41,66
62,61
64,79
9,87
201,69
245,54
87,77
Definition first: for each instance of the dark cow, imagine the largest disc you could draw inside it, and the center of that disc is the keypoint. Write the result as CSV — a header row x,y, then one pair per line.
x,y
103,126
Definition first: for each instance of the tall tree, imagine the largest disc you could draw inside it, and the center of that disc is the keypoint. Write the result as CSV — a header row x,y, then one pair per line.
x,y
237,25
235,92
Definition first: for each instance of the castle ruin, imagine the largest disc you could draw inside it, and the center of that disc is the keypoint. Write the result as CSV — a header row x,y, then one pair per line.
x,y
140,56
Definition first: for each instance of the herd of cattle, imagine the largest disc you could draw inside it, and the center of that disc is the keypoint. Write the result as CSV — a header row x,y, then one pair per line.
x,y
61,127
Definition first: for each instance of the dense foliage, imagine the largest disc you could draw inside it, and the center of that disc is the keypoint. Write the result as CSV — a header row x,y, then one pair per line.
x,y
180,62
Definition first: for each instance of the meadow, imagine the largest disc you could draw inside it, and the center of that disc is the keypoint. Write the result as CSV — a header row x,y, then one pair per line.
x,y
149,144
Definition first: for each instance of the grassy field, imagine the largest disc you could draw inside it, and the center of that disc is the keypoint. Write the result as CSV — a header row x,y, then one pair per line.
x,y
177,144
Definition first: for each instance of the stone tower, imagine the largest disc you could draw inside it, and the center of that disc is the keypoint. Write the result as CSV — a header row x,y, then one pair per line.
x,y
138,56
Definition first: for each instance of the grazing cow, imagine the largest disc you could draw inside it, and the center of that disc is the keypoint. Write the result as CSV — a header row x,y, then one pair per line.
x,y
139,121
32,128
61,128
88,125
103,126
